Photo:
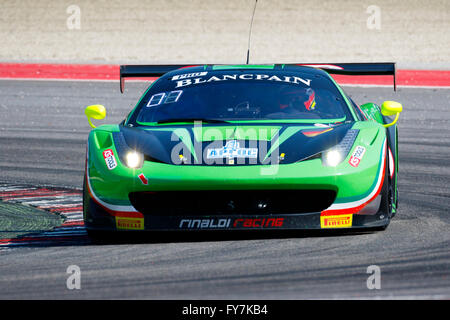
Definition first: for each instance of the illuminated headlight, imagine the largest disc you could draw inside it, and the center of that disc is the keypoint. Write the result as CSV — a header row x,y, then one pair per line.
x,y
134,159
332,157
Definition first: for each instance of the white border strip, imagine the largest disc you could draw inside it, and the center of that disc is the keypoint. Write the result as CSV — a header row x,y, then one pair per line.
x,y
391,164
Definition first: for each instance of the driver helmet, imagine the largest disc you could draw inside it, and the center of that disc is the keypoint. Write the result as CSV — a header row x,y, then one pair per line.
x,y
299,99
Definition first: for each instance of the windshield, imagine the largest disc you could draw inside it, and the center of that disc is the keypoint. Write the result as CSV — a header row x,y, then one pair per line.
x,y
233,95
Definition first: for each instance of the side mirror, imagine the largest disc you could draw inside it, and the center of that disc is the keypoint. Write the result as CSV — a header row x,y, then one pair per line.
x,y
390,108
96,111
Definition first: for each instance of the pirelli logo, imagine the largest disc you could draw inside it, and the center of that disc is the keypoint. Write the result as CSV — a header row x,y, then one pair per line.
x,y
129,223
336,221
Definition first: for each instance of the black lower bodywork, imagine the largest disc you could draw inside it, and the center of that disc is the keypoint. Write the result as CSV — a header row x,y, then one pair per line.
x,y
215,212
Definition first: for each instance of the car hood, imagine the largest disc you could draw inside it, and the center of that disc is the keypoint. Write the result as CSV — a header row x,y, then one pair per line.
x,y
230,144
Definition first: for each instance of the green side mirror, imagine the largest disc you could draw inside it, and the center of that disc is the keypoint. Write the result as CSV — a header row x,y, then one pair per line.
x,y
390,108
96,111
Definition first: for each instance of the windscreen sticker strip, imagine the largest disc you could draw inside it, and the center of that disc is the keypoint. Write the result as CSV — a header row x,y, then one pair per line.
x,y
183,82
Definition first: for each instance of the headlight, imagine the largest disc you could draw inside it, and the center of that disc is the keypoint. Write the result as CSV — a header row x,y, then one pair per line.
x,y
333,156
134,159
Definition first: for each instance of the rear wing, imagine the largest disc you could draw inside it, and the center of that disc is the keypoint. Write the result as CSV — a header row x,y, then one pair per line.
x,y
352,69
143,71
357,69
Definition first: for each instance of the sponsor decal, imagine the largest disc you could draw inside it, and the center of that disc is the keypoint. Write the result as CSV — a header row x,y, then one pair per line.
x,y
183,82
258,222
356,157
314,133
336,221
129,223
189,75
144,180
232,150
226,223
110,160
164,97
204,223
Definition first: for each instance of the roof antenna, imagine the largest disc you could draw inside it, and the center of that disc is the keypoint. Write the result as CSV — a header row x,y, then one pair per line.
x,y
250,32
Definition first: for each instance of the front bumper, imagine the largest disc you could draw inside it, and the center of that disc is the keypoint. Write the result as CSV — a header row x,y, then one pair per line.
x,y
310,221
97,217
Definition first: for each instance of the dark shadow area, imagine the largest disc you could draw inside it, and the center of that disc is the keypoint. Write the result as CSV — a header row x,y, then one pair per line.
x,y
153,237
46,239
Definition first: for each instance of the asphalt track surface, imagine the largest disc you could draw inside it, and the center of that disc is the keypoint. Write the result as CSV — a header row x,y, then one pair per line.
x,y
43,132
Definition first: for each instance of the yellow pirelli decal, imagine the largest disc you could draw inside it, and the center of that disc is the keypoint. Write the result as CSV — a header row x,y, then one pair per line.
x,y
336,221
129,223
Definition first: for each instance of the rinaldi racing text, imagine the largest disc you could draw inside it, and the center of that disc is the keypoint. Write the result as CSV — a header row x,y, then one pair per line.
x,y
226,223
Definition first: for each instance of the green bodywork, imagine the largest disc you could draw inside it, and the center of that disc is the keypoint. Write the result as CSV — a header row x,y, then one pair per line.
x,y
352,184
372,112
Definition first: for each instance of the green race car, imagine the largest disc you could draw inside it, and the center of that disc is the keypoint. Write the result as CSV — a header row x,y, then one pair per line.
x,y
239,147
